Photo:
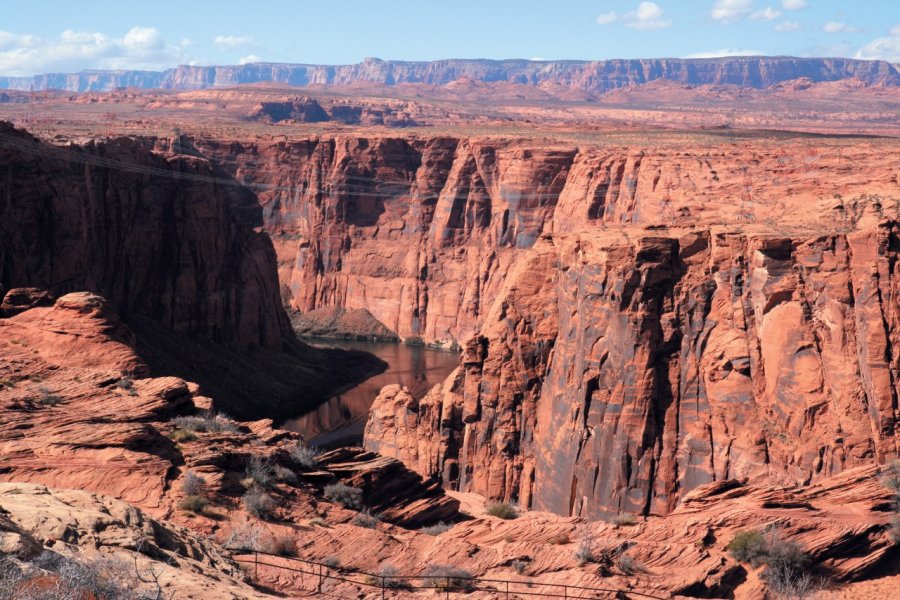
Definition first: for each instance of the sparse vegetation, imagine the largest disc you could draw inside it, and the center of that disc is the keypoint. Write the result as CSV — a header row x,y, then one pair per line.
x,y
748,546
260,471
788,568
305,456
208,422
518,566
318,522
366,519
52,576
436,529
282,545
258,503
46,397
585,553
244,535
345,495
386,577
627,564
503,510
447,577
179,436
193,484
891,480
193,503
284,474
625,520
332,562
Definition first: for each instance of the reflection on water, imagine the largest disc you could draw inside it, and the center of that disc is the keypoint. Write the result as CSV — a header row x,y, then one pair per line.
x,y
341,420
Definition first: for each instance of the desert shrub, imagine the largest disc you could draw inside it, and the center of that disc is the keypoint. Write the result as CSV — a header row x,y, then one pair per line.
x,y
260,470
585,553
207,422
891,480
125,383
318,522
258,503
193,484
180,436
447,577
625,520
748,546
56,577
503,510
559,539
788,571
518,566
47,397
244,535
386,577
628,565
332,562
366,519
282,545
284,474
343,494
436,529
193,503
305,456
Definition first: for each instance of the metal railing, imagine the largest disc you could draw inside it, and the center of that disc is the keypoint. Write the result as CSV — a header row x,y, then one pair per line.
x,y
320,573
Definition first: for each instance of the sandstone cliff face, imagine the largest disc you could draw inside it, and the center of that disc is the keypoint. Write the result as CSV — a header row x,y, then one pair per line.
x,y
594,76
637,370
152,244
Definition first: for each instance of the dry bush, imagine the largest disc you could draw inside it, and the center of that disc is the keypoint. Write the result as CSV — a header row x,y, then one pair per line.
x,y
436,529
387,578
193,484
366,519
207,422
503,510
343,494
182,435
282,545
258,503
244,535
193,504
305,456
625,520
260,471
447,577
559,539
284,475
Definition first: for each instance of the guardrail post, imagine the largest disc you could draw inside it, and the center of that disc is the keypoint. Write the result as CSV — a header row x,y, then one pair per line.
x,y
507,590
382,587
319,588
448,588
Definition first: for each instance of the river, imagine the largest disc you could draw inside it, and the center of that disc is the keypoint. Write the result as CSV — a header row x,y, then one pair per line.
x,y
340,421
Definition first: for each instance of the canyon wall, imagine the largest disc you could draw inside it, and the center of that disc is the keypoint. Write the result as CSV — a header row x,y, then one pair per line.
x,y
592,76
166,248
634,322
169,243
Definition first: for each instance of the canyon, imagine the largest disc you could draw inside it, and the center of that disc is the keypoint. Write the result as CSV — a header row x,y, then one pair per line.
x,y
662,335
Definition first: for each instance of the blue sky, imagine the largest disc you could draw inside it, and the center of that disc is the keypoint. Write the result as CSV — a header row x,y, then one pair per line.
x,y
50,35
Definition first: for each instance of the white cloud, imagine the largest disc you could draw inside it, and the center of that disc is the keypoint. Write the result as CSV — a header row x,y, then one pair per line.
x,y
794,4
887,48
232,42
607,18
838,27
725,52
727,11
895,30
647,17
788,26
139,48
767,14
246,60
